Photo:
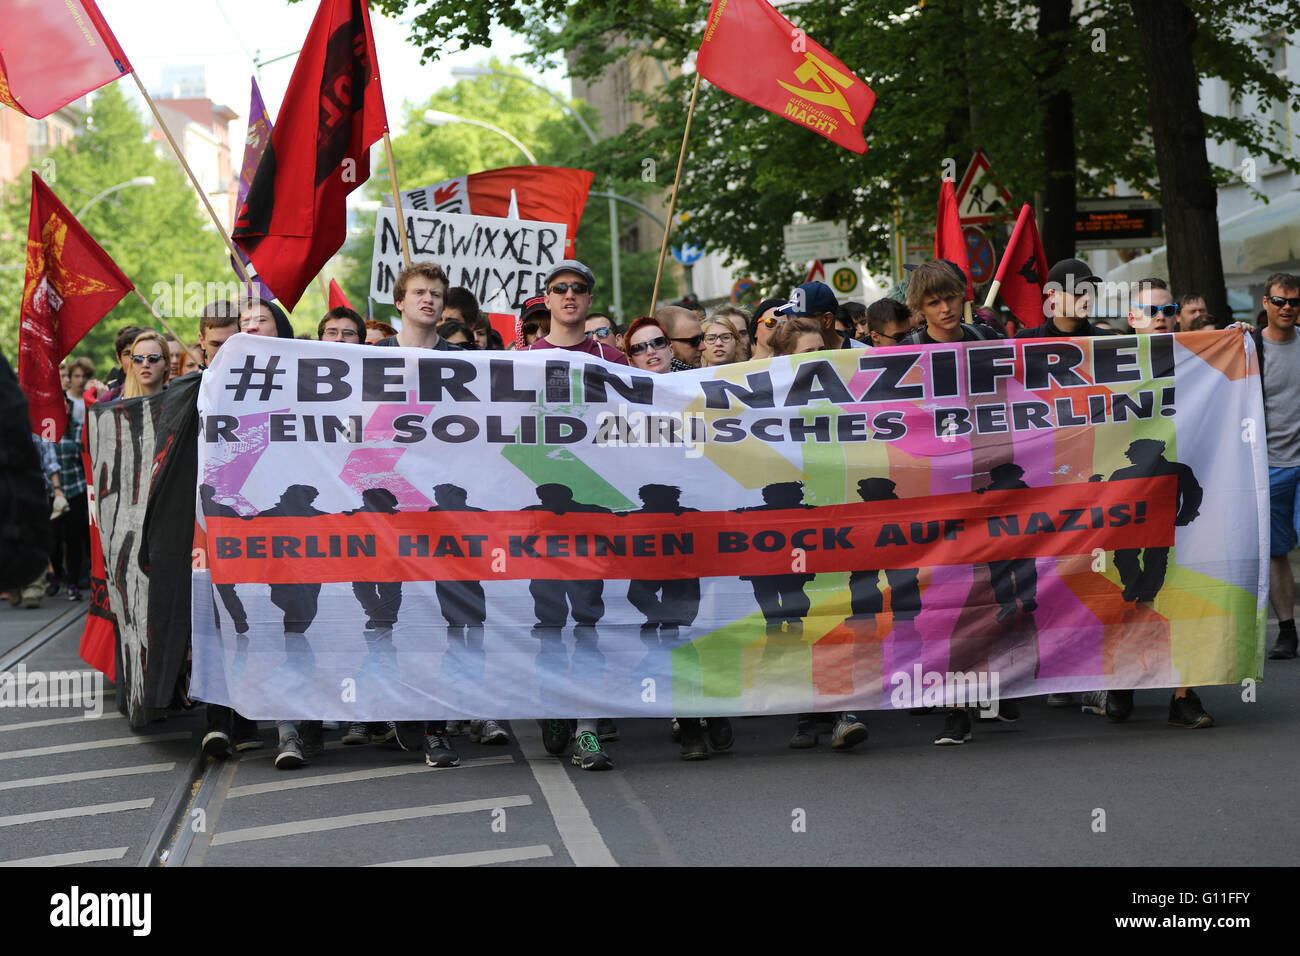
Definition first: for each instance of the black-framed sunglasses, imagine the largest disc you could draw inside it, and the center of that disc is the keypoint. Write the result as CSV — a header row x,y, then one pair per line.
x,y
1168,311
694,341
603,332
886,335
152,359
657,343
1280,301
561,288
528,328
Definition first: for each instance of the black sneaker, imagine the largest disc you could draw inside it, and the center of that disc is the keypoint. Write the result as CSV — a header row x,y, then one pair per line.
x,y
588,755
956,728
694,745
1284,648
438,751
1188,712
605,729
409,734
216,744
848,733
555,736
1119,705
805,735
313,738
721,736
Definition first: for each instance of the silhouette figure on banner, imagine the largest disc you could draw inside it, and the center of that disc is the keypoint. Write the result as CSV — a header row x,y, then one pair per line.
x,y
667,605
234,606
463,605
1142,570
781,597
380,600
1016,579
865,598
297,601
553,600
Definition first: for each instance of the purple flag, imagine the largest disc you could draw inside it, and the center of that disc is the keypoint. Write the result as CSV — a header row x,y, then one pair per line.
x,y
259,134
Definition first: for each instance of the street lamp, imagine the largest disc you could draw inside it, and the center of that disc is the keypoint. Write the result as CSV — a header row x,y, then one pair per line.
x,y
138,181
439,118
466,72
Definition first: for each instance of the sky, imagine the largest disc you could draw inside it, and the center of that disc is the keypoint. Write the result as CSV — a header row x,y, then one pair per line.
x,y
226,36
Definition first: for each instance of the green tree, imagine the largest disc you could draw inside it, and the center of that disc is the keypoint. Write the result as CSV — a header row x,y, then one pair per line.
x,y
158,235
1056,92
428,154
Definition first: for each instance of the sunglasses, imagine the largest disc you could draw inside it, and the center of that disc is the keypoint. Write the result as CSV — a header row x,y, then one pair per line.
x,y
1280,301
772,321
528,328
602,333
657,343
151,359
886,335
579,288
1168,311
714,338
694,341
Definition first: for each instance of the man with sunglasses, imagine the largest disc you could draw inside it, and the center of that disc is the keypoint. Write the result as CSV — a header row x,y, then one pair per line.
x,y
887,321
1279,372
601,328
1153,308
686,335
569,287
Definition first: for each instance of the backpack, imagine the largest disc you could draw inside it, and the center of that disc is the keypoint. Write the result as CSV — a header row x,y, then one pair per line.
x,y
24,507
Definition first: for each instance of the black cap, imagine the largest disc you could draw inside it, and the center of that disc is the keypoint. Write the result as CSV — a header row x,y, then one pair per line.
x,y
1072,273
534,307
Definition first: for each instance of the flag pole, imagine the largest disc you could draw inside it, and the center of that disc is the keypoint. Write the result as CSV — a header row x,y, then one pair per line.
x,y
672,202
397,201
198,359
324,289
153,108
993,293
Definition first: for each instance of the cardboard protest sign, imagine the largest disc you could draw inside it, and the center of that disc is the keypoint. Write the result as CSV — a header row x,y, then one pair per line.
x,y
502,261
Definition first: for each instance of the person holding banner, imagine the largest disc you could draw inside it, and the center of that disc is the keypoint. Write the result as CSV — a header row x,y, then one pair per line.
x,y
763,326
150,366
419,293
647,346
569,287
936,291
1070,288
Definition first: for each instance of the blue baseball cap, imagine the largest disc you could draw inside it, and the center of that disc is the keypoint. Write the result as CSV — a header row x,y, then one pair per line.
x,y
810,299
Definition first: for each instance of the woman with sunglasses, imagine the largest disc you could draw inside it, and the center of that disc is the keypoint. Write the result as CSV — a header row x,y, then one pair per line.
x,y
764,325
647,346
150,366
724,342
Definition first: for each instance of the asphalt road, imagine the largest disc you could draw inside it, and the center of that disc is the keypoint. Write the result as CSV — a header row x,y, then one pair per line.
x,y
1057,787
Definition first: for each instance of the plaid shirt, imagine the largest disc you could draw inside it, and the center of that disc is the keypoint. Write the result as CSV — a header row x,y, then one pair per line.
x,y
67,453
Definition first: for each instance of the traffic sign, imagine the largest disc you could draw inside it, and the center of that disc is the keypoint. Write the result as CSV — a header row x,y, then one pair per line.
x,y
980,253
845,278
981,199
816,240
687,255
817,273
740,289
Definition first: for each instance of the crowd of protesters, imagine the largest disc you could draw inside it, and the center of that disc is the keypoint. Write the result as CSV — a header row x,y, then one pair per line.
x,y
930,307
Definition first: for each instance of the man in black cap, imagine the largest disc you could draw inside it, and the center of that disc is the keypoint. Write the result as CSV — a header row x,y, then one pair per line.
x,y
1071,289
815,300
535,321
569,287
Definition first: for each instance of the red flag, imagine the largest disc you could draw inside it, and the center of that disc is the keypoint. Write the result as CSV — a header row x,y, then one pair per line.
x,y
54,53
337,299
949,243
754,53
294,217
544,193
99,636
1022,272
71,284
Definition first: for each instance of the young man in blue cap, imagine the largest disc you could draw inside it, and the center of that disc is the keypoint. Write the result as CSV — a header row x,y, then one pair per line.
x,y
815,300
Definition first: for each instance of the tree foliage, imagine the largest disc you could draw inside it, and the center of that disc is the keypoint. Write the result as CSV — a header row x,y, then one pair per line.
x,y
949,75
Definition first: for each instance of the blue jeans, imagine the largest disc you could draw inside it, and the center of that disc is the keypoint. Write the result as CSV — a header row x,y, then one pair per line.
x,y
1285,519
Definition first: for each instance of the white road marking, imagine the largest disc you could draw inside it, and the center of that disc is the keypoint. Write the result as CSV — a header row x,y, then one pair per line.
x,y
89,811
577,830
86,775
353,776
56,721
93,745
321,824
478,857
75,858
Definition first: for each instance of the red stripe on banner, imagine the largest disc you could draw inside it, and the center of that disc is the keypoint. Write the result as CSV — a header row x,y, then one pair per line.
x,y
952,529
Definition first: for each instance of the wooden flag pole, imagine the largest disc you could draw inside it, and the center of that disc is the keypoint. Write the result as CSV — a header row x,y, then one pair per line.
x,y
397,201
993,293
153,108
672,202
198,359
324,289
